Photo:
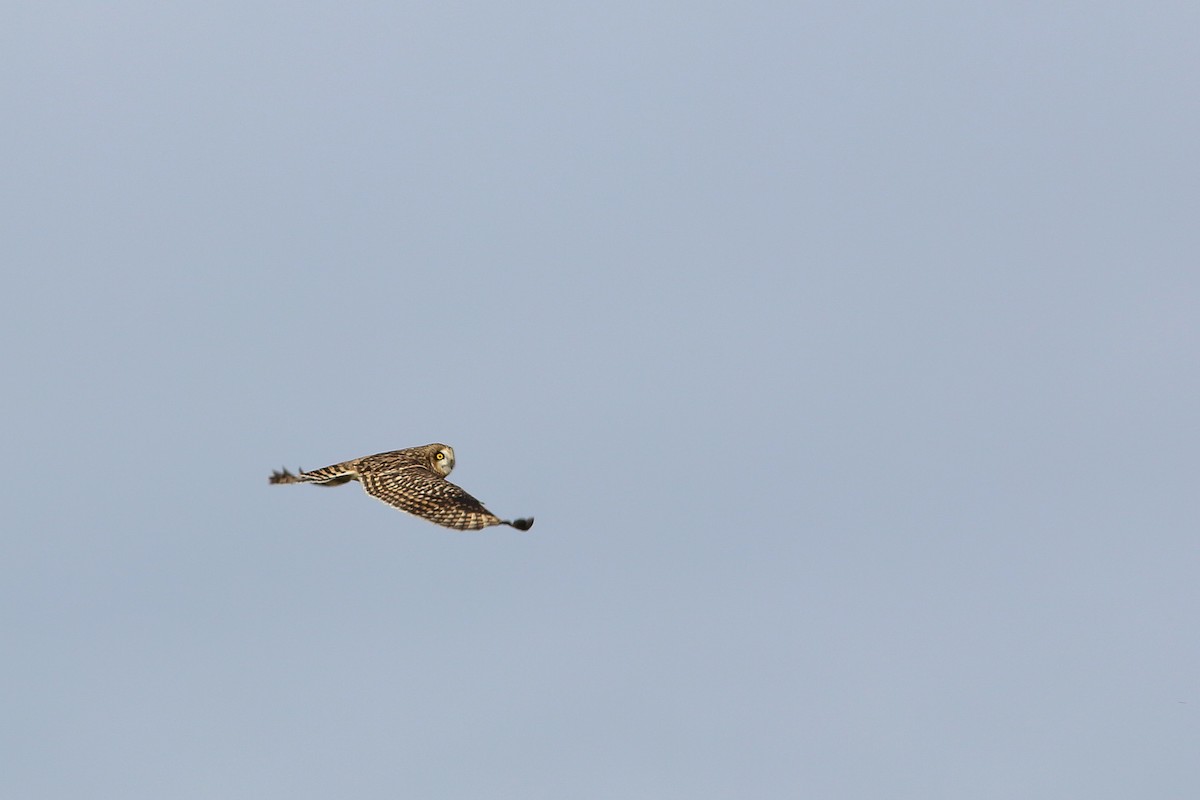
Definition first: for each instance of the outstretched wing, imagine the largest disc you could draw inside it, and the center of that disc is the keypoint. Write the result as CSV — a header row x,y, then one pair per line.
x,y
430,496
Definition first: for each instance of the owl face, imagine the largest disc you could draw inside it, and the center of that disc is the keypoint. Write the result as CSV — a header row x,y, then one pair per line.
x,y
442,459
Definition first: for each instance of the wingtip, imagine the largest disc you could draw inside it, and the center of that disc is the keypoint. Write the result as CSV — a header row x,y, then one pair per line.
x,y
281,476
522,524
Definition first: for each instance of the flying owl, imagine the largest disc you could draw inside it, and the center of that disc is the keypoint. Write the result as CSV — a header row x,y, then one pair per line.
x,y
412,480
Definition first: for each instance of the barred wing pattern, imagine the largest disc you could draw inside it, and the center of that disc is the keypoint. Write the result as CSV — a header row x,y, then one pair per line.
x,y
425,494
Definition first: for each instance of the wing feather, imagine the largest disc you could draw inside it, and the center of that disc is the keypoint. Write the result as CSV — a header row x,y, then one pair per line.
x,y
426,494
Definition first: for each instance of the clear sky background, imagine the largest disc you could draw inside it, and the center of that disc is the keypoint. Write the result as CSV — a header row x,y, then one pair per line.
x,y
846,354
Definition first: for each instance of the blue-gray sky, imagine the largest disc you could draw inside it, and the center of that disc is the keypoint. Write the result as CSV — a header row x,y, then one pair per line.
x,y
846,354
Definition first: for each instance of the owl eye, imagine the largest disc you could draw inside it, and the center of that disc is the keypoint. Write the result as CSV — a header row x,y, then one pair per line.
x,y
440,456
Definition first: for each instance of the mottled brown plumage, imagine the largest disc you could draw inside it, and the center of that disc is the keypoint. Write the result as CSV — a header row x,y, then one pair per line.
x,y
412,480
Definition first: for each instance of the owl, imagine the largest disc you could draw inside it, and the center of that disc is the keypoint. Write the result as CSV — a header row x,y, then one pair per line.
x,y
412,480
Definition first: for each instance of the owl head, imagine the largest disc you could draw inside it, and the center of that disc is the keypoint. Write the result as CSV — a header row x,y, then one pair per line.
x,y
441,458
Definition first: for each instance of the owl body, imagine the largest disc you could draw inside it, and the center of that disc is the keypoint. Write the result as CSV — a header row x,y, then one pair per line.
x,y
413,480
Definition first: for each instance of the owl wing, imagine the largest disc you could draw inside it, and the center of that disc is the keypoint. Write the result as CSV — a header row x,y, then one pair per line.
x,y
428,495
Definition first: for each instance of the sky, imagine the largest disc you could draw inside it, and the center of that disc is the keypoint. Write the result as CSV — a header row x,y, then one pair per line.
x,y
845,353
